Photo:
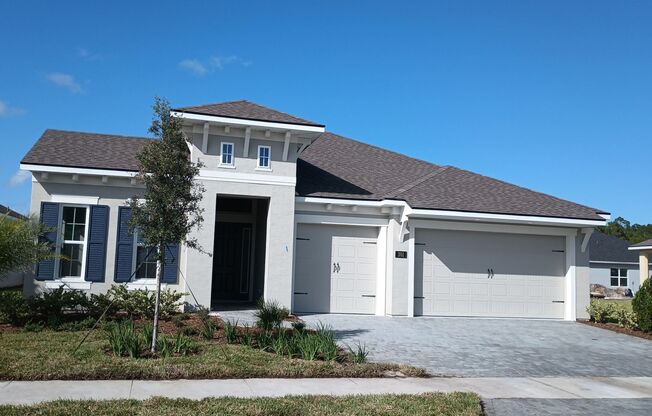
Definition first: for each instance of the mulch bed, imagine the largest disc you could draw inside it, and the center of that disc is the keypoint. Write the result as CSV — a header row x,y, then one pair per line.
x,y
616,328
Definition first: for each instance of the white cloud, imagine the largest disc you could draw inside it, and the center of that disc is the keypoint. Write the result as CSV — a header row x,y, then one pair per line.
x,y
20,177
193,66
201,68
88,55
65,81
8,111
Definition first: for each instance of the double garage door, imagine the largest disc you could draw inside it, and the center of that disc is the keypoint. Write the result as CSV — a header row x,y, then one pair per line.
x,y
466,273
456,273
335,269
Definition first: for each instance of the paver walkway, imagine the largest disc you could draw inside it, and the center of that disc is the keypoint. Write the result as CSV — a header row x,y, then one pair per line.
x,y
29,392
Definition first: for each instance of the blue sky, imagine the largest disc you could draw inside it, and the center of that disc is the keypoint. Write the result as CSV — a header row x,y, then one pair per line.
x,y
554,96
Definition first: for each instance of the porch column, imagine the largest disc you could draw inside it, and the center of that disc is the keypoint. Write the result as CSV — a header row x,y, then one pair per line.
x,y
644,265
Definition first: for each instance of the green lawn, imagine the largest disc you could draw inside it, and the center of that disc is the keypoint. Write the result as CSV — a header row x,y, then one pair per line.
x,y
48,355
459,404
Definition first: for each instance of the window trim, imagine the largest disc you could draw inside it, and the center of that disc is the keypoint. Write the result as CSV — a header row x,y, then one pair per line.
x,y
227,165
619,277
269,157
60,242
134,258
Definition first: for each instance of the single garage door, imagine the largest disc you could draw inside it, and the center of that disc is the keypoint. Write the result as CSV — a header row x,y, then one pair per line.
x,y
335,269
467,273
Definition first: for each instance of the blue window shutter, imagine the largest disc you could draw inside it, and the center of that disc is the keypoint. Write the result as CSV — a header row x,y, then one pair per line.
x,y
124,248
49,218
96,245
171,266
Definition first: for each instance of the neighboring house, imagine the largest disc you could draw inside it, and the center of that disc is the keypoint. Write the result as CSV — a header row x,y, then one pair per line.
x,y
13,279
317,221
644,250
612,263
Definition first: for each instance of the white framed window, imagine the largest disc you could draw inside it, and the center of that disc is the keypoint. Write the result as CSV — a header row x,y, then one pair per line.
x,y
264,157
226,154
145,255
73,220
618,277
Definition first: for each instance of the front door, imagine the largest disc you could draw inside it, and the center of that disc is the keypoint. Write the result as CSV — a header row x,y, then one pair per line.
x,y
232,262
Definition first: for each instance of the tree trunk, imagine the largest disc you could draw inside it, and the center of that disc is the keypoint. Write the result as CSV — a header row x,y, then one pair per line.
x,y
157,302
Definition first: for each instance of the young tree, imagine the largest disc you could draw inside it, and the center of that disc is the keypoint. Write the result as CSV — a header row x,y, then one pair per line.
x,y
169,208
20,246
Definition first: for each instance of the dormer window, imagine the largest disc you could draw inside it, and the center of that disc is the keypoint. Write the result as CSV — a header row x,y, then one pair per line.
x,y
226,157
264,157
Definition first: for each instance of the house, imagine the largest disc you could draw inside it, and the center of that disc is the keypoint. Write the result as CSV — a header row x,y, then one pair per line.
x,y
644,250
13,279
612,263
317,221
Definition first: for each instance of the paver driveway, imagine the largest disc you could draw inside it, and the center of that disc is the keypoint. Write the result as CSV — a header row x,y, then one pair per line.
x,y
494,347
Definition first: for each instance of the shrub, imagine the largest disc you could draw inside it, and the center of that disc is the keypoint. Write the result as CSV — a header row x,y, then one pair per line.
x,y
264,340
280,344
642,306
600,311
98,303
208,328
140,303
177,321
299,326
359,354
84,324
124,340
247,336
270,314
13,308
307,345
625,318
180,344
33,327
50,307
230,331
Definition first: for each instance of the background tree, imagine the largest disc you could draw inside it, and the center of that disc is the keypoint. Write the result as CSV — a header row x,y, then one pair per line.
x,y
20,246
621,228
169,208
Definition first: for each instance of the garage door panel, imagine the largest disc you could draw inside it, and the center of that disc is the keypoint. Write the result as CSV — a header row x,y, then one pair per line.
x,y
335,269
451,274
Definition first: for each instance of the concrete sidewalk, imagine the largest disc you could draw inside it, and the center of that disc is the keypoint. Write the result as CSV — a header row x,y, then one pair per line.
x,y
29,392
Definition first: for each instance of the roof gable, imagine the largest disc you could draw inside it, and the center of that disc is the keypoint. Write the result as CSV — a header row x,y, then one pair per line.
x,y
247,110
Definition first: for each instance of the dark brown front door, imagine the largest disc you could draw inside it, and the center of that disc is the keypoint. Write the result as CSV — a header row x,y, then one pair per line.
x,y
232,262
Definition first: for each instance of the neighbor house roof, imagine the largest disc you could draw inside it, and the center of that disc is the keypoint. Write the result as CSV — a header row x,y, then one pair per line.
x,y
607,248
337,167
641,245
86,150
247,110
10,212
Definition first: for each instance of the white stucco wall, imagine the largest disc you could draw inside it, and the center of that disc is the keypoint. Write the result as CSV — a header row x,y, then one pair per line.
x,y
113,194
279,244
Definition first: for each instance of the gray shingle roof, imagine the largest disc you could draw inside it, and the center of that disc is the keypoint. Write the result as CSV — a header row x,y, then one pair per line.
x,y
247,110
645,243
335,166
603,247
86,150
338,167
